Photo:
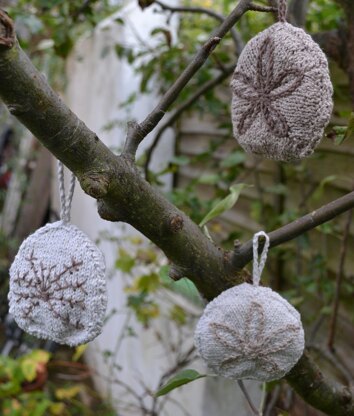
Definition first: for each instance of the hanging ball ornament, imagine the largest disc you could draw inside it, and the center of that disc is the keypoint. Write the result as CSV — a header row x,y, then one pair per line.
x,y
250,332
281,93
57,281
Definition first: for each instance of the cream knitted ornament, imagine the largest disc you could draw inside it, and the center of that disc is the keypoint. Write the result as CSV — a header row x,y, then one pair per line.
x,y
250,332
282,93
57,281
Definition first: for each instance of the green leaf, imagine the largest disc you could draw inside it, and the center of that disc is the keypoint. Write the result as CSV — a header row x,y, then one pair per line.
x,y
184,377
349,134
29,369
41,407
225,204
125,262
79,352
320,189
209,179
67,393
147,283
180,160
233,159
39,356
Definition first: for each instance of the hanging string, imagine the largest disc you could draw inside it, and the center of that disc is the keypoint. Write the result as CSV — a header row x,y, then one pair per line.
x,y
258,266
282,10
65,201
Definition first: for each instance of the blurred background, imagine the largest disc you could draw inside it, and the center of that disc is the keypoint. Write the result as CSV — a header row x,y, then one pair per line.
x,y
110,61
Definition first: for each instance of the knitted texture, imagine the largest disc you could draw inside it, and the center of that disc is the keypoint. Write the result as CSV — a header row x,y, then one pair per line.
x,y
57,285
250,332
282,94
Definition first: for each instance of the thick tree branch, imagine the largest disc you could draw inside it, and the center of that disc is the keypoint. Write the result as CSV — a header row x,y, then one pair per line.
x,y
182,108
243,255
308,381
124,196
142,129
114,181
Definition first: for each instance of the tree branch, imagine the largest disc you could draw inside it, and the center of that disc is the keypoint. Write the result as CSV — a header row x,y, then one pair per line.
x,y
308,381
114,181
339,279
183,107
259,8
244,255
142,129
7,32
209,12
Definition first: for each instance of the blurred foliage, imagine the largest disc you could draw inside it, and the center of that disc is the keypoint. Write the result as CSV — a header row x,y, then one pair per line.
x,y
27,388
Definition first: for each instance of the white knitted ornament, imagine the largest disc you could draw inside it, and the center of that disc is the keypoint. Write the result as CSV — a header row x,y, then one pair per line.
x,y
282,93
250,332
57,281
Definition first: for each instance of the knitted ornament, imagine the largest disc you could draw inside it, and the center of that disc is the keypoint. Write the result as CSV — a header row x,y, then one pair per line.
x,y
57,281
282,93
250,332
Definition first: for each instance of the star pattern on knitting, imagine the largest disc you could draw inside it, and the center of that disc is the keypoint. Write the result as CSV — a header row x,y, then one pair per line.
x,y
264,90
53,285
253,343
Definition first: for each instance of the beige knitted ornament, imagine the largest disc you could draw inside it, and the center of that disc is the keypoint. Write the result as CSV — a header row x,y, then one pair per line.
x,y
282,93
57,281
250,332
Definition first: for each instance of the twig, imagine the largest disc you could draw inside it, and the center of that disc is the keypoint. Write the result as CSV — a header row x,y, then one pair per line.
x,y
7,32
339,279
333,360
247,397
209,12
141,130
292,230
273,401
260,8
263,398
180,110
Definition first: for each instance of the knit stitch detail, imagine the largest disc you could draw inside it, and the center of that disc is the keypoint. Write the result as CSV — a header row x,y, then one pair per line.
x,y
282,94
250,332
57,285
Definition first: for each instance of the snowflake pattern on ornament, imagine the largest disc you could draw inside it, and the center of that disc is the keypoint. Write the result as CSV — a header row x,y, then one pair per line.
x,y
41,283
57,285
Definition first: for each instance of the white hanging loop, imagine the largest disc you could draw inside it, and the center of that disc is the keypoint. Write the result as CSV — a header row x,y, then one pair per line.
x,y
258,266
65,201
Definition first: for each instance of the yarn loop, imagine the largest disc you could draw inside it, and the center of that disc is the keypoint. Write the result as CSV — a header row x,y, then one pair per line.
x,y
258,266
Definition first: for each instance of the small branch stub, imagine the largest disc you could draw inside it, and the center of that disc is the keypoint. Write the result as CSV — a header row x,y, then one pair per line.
x,y
7,32
134,138
106,213
95,184
176,272
176,223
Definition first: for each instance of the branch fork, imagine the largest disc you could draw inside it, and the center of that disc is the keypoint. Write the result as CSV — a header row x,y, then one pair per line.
x,y
7,31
